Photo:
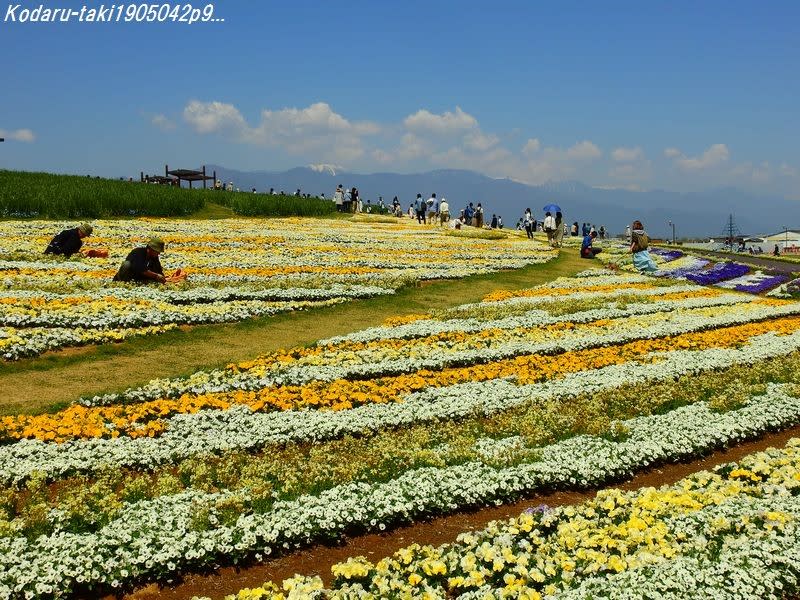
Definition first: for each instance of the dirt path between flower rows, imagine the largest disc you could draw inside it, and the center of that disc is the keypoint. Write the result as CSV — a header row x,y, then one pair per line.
x,y
319,559
41,384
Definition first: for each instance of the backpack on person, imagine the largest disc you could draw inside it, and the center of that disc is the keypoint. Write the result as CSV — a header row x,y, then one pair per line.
x,y
643,241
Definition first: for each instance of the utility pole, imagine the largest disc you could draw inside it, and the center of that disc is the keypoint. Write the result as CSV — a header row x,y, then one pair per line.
x,y
731,230
673,232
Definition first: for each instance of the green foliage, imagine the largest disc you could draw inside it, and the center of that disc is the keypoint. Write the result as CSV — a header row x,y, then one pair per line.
x,y
273,205
42,195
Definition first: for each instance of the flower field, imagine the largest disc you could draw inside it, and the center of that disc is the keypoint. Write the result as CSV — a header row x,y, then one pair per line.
x,y
237,269
731,533
675,264
572,384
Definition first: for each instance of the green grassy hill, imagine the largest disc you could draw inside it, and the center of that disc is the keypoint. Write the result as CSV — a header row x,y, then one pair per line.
x,y
46,196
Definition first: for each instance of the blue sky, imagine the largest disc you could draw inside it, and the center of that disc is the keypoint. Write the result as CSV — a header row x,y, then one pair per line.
x,y
642,95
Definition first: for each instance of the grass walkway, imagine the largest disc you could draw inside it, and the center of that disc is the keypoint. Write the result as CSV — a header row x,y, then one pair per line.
x,y
50,381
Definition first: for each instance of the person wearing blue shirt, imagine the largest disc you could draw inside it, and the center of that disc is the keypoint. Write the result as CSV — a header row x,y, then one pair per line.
x,y
587,251
421,207
469,212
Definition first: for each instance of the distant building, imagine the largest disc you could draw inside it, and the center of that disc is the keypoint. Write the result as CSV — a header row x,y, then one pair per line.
x,y
788,242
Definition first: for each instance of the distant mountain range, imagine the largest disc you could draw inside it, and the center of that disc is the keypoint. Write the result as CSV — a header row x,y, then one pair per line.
x,y
695,214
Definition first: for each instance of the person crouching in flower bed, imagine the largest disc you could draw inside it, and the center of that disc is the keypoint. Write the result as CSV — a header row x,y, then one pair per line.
x,y
587,251
639,244
142,264
69,241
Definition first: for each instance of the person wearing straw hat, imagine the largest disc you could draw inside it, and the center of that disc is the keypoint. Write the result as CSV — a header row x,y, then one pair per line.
x,y
142,264
69,241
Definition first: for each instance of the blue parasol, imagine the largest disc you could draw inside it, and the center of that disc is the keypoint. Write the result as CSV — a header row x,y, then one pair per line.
x,y
552,208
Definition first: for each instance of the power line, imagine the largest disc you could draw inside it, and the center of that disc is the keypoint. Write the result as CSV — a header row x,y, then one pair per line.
x,y
731,231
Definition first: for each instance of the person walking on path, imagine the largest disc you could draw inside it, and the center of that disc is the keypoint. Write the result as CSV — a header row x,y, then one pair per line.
x,y
420,206
348,200
444,212
478,217
528,223
69,241
338,198
587,251
142,264
559,234
640,242
432,208
549,226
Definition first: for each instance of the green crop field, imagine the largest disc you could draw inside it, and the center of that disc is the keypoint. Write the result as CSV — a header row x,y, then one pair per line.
x,y
273,205
43,195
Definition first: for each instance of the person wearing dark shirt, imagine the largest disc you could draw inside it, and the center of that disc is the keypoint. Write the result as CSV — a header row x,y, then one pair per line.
x,y
142,264
586,247
69,241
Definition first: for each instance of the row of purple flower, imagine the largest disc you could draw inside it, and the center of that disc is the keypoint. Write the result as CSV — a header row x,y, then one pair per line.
x,y
699,272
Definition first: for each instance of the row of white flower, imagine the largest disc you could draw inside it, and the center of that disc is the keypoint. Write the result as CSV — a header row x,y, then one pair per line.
x,y
239,428
72,330
97,314
199,295
156,538
370,364
472,324
15,344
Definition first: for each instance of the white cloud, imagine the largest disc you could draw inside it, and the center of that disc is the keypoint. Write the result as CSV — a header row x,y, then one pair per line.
x,y
213,117
18,135
712,157
584,150
315,130
413,147
495,162
480,141
627,154
532,146
382,156
623,171
162,122
447,123
454,139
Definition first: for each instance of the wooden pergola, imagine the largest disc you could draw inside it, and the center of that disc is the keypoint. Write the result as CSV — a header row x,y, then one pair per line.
x,y
190,175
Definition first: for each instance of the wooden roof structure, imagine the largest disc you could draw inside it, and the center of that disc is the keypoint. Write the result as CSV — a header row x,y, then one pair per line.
x,y
190,175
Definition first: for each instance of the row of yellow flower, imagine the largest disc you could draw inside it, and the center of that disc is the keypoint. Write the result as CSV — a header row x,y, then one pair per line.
x,y
148,418
420,345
